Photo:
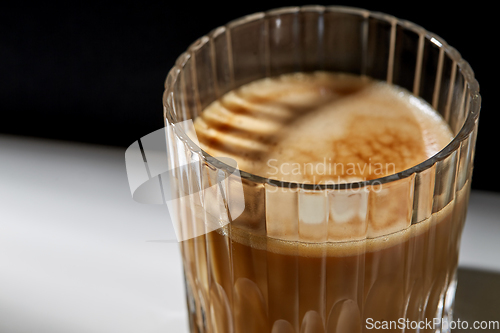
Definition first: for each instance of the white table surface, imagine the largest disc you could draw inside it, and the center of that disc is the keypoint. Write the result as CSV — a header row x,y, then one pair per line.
x,y
78,255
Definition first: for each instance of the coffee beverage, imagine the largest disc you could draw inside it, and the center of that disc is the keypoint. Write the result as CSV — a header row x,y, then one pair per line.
x,y
334,260
321,127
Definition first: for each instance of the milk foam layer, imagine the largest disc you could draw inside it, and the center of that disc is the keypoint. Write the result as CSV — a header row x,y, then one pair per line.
x,y
321,127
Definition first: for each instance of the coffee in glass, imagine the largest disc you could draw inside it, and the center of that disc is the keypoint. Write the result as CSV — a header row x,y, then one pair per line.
x,y
354,190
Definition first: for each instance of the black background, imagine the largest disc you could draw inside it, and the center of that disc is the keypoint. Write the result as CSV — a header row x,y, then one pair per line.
x,y
94,73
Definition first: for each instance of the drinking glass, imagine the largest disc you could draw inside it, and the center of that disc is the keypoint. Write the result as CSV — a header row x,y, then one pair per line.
x,y
320,257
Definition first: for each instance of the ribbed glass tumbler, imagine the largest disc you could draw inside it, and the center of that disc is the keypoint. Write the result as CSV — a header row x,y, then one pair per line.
x,y
321,258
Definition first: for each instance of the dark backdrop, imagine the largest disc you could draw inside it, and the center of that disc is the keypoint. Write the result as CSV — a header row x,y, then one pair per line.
x,y
94,73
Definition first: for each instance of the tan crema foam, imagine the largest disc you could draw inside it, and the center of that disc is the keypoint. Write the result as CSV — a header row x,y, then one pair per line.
x,y
322,127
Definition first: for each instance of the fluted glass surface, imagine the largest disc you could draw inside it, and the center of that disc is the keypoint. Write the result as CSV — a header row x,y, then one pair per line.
x,y
325,258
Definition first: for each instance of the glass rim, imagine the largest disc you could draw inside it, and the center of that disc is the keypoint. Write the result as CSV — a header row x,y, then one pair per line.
x,y
474,102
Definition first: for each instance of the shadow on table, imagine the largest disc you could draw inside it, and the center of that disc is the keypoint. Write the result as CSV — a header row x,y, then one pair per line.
x,y
477,298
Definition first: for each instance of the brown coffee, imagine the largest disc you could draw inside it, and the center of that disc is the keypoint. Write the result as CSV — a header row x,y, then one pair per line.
x,y
300,269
